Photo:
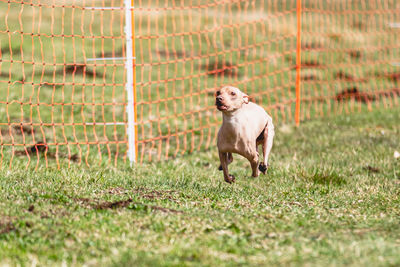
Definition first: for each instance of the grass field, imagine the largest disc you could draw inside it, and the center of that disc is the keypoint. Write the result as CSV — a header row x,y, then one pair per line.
x,y
331,197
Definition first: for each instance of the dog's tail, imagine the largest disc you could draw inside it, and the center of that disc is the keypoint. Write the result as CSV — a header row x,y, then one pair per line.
x,y
269,133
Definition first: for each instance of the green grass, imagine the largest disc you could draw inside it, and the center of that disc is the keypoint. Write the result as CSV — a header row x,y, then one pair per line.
x,y
331,197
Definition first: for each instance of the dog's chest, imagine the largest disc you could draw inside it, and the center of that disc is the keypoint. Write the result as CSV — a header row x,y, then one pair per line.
x,y
233,135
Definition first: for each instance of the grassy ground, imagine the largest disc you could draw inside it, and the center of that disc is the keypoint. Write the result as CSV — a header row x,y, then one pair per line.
x,y
331,197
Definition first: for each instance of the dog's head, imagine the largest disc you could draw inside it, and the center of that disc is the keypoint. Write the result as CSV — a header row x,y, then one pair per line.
x,y
229,98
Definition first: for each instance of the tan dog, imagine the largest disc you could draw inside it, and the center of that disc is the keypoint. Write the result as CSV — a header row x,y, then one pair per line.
x,y
245,126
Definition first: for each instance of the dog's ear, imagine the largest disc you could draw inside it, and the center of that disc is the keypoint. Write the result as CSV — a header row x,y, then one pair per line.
x,y
245,99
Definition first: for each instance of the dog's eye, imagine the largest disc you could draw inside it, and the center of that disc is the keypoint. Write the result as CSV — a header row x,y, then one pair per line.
x,y
218,93
233,93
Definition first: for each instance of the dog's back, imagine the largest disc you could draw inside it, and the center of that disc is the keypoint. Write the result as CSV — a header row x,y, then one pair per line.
x,y
250,118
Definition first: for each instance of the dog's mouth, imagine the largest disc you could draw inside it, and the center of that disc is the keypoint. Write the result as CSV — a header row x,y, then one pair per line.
x,y
220,106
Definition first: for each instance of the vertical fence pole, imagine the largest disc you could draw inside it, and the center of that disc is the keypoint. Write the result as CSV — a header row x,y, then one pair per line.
x,y
298,64
131,79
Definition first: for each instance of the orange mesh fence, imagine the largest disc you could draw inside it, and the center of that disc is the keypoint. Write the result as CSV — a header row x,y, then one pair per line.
x,y
62,98
63,75
187,49
350,56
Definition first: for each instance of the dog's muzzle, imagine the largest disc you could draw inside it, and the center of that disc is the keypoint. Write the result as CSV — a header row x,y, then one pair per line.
x,y
220,105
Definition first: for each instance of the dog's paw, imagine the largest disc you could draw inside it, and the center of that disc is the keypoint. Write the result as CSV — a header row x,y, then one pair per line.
x,y
230,179
220,168
263,168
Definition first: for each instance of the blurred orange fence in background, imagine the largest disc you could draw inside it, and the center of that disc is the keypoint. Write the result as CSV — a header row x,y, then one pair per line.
x,y
68,72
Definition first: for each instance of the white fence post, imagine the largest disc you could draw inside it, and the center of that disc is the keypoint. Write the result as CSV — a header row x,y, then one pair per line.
x,y
131,79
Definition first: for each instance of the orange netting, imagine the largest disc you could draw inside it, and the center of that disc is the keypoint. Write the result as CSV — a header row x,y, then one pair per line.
x,y
63,76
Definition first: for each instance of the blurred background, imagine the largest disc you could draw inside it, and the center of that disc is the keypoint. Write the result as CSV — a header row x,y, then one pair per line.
x,y
62,70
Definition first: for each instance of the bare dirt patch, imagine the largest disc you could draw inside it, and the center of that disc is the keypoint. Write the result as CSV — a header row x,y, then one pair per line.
x,y
6,227
125,203
309,77
394,76
54,212
311,64
371,169
23,129
395,92
221,68
6,50
311,46
154,194
31,208
76,69
144,193
336,37
355,54
129,203
344,76
117,191
341,75
41,148
117,53
17,130
354,93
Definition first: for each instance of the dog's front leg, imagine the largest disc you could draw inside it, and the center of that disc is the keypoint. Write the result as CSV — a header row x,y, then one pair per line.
x,y
223,158
230,159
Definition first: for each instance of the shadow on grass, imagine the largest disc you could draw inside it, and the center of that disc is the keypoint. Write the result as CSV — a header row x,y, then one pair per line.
x,y
322,177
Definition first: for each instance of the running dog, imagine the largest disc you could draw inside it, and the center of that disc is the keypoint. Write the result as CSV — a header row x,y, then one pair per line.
x,y
245,126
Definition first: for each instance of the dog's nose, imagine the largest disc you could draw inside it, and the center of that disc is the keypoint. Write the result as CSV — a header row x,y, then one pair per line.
x,y
219,98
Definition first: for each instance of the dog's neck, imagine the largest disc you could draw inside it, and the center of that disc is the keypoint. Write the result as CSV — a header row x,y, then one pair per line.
x,y
229,117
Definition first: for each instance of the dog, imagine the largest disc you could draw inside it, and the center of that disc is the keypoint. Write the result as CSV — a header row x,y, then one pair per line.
x,y
245,126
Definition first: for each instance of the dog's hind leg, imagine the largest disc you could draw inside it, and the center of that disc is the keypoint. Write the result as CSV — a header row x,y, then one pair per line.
x,y
269,133
252,157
